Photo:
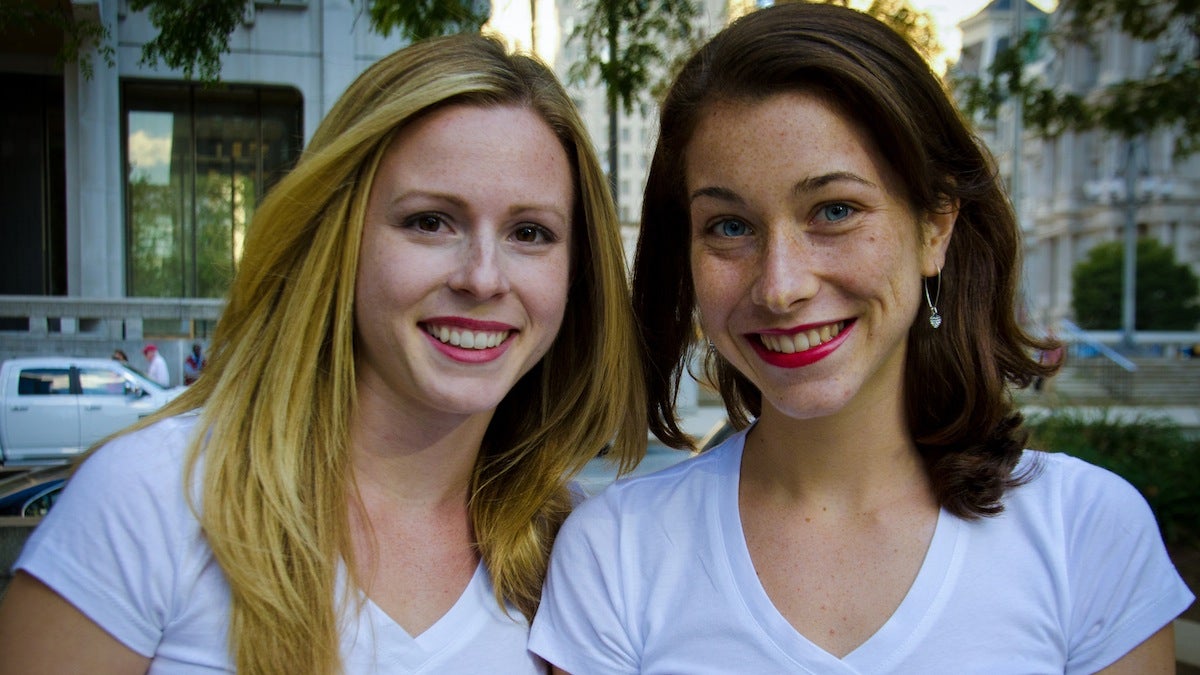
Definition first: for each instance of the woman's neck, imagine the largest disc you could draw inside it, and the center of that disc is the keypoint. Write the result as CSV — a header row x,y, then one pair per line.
x,y
414,455
853,460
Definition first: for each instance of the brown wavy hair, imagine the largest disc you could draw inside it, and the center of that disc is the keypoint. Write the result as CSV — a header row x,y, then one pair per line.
x,y
272,459
959,409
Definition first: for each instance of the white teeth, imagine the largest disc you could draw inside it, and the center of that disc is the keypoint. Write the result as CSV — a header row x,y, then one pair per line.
x,y
790,344
467,339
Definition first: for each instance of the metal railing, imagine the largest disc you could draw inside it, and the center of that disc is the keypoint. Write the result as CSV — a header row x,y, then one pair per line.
x,y
1112,370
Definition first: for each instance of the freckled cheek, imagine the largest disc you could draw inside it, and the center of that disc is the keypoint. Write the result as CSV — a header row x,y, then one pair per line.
x,y
903,284
718,290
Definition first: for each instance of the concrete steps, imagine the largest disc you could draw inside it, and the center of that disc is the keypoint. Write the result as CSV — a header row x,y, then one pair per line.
x,y
1097,381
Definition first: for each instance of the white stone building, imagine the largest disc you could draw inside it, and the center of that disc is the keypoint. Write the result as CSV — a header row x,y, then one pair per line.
x,y
1069,190
135,182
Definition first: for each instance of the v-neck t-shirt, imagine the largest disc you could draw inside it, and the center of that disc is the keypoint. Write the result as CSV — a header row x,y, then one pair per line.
x,y
653,576
123,546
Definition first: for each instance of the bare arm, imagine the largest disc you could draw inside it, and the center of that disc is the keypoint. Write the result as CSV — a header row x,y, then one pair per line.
x,y
1155,656
40,632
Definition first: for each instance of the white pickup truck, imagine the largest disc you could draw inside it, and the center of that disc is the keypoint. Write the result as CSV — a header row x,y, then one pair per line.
x,y
55,407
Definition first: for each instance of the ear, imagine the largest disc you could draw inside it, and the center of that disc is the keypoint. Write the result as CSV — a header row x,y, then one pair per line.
x,y
935,233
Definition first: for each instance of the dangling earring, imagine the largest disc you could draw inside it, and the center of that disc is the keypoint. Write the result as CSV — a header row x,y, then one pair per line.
x,y
935,319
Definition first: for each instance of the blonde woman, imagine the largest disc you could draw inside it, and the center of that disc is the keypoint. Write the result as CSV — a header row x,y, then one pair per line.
x,y
440,287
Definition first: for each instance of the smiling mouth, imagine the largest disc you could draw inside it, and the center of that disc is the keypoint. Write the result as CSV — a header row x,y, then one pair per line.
x,y
801,341
467,339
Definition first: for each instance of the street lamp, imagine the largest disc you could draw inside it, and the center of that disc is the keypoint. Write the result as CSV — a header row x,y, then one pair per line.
x,y
1133,189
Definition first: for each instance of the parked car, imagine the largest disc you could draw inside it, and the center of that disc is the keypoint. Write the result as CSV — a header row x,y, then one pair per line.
x,y
55,407
30,494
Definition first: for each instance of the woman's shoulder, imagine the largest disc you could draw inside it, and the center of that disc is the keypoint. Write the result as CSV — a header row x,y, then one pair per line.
x,y
1048,469
154,454
1062,481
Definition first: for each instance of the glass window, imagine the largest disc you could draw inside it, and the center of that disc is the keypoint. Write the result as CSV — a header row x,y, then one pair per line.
x,y
198,160
44,382
101,382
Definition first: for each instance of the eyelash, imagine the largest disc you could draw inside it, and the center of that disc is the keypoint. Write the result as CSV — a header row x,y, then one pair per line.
x,y
717,228
546,236
824,211
543,235
417,221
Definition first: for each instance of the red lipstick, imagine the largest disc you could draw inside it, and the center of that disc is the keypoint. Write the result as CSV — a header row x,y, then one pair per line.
x,y
799,359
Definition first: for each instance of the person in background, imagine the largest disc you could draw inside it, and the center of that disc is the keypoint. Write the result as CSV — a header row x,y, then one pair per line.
x,y
193,364
119,356
817,204
441,286
156,365
1052,357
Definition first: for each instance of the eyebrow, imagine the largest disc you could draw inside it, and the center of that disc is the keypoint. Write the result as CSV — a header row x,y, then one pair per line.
x,y
818,182
804,185
723,194
459,202
408,195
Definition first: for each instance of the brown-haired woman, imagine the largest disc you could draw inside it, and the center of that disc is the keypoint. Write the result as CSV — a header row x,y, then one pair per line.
x,y
440,286
817,204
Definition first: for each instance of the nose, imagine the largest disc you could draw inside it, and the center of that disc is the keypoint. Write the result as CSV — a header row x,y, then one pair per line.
x,y
480,269
787,272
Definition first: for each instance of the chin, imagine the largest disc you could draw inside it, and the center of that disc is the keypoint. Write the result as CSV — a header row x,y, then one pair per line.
x,y
803,406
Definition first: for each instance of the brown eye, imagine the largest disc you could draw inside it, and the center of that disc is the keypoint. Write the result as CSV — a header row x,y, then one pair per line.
x,y
532,234
425,222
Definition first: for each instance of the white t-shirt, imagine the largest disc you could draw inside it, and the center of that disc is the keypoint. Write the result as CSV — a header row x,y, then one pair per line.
x,y
122,545
653,576
157,371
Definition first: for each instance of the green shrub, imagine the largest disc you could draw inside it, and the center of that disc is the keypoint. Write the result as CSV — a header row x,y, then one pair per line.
x,y
1153,454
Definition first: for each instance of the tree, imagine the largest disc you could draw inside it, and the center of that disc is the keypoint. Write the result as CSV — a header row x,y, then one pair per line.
x,y
629,46
1128,109
36,18
193,35
1168,293
648,39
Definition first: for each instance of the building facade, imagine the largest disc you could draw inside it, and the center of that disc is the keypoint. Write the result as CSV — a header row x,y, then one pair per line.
x,y
145,180
1072,191
126,191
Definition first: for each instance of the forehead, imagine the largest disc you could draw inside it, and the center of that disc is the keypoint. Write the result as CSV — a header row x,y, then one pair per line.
x,y
474,128
506,149
781,138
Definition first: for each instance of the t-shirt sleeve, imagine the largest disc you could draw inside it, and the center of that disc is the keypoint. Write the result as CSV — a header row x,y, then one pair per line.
x,y
581,623
1124,586
112,543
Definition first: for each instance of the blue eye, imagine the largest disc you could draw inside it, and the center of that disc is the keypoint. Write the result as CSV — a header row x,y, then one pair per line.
x,y
731,228
836,212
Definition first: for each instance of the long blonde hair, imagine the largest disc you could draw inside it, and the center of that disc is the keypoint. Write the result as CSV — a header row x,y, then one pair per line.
x,y
279,389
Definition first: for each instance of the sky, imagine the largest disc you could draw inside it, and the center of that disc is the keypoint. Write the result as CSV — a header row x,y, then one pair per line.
x,y
947,14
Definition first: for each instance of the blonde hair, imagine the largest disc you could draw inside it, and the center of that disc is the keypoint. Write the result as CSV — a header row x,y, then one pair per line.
x,y
279,388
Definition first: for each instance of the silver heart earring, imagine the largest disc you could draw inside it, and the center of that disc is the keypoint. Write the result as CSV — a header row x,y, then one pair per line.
x,y
935,319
